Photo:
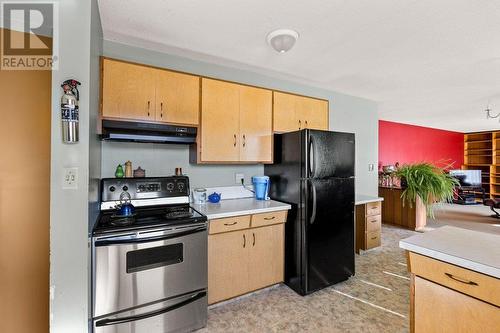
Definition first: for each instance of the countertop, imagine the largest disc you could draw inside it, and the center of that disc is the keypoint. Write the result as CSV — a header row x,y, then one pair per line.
x,y
474,250
362,199
236,207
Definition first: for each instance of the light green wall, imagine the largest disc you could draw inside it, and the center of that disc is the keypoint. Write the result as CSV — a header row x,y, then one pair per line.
x,y
347,113
80,44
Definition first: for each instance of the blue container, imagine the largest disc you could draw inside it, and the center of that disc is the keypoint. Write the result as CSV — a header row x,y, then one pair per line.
x,y
261,187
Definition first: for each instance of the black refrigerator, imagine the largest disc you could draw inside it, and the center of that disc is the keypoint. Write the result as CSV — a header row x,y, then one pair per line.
x,y
313,171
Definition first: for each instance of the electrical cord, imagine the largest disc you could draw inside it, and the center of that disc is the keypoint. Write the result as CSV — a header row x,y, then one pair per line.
x,y
245,187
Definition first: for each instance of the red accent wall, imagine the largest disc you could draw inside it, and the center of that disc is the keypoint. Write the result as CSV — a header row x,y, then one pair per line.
x,y
408,144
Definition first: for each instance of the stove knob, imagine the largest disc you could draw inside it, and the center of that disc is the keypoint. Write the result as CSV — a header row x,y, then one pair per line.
x,y
170,186
180,186
112,189
125,188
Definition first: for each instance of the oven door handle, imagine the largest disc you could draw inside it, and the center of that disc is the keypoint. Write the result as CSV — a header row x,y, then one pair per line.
x,y
122,320
134,240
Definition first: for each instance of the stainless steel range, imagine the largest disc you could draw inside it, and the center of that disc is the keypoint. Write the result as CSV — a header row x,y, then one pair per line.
x,y
149,261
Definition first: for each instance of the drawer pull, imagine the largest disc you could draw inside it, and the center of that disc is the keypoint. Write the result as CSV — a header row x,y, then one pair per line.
x,y
373,221
253,233
244,240
230,224
469,282
269,218
374,237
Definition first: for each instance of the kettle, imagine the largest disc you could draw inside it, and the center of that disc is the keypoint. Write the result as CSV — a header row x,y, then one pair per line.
x,y
125,208
214,197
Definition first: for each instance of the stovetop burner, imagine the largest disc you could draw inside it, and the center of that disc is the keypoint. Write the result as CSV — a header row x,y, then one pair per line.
x,y
118,220
147,217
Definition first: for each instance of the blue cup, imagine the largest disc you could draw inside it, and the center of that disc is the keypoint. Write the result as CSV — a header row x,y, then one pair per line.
x,y
261,187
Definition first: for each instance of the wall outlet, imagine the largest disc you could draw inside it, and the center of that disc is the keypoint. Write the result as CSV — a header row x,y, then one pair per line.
x,y
238,177
371,167
70,180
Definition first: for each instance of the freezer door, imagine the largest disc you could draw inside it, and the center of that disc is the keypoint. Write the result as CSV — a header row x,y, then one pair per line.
x,y
181,314
329,232
329,154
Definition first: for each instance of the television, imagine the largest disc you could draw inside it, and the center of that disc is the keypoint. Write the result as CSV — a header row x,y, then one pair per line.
x,y
467,177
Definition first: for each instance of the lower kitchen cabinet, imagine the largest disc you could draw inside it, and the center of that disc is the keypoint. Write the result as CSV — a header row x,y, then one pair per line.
x,y
241,261
448,298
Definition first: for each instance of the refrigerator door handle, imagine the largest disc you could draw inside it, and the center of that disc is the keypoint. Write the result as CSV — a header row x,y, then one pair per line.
x,y
313,214
312,158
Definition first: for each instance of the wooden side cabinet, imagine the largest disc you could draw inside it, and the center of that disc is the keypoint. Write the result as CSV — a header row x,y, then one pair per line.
x,y
446,298
243,257
368,225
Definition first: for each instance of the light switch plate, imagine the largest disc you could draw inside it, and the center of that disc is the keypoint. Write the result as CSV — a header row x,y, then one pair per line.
x,y
70,180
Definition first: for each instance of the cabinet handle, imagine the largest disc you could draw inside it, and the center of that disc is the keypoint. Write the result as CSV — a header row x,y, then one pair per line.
x,y
161,110
300,124
373,221
253,239
244,240
459,279
244,140
234,143
149,103
306,124
270,218
229,224
375,237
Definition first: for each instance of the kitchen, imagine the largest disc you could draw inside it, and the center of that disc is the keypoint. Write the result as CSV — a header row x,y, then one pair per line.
x,y
74,211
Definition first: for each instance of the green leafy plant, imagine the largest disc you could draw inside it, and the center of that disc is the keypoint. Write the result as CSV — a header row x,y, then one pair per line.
x,y
428,182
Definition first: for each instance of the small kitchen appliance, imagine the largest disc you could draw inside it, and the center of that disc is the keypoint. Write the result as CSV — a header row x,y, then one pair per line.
x,y
149,275
261,187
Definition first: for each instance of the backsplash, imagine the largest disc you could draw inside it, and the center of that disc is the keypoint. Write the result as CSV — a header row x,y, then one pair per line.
x,y
162,159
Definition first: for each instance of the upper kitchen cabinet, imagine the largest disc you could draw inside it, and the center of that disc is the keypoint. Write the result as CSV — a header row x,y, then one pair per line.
x,y
128,91
135,92
236,123
293,112
220,121
256,130
177,97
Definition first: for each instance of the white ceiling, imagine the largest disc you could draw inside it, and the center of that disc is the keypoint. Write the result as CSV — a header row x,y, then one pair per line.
x,y
431,62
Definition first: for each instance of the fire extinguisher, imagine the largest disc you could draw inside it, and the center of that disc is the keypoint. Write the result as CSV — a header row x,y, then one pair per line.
x,y
69,111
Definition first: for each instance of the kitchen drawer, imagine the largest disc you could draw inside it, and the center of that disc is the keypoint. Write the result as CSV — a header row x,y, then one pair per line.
x,y
259,220
475,284
373,223
373,208
229,224
373,239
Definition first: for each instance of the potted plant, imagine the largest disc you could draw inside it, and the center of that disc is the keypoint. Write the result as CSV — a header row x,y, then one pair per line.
x,y
426,183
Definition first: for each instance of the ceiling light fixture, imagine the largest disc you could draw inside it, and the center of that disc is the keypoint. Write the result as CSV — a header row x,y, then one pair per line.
x,y
282,40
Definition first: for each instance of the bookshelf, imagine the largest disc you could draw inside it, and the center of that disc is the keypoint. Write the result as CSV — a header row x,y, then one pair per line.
x,y
482,152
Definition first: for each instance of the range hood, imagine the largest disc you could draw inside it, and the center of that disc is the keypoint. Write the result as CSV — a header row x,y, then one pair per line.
x,y
115,130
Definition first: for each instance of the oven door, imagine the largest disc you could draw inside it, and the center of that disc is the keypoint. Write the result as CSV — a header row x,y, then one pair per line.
x,y
143,267
180,314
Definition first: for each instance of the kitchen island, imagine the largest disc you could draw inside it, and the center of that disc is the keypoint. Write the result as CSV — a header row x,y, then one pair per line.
x,y
455,280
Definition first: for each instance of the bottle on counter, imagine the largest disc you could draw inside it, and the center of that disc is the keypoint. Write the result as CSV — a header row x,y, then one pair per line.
x,y
119,171
128,169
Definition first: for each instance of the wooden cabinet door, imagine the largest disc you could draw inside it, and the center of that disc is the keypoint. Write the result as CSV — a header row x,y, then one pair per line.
x,y
220,121
312,113
128,91
227,265
177,97
266,262
439,309
256,130
284,113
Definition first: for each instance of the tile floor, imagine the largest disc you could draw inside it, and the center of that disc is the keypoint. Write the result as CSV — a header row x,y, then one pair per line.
x,y
376,299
